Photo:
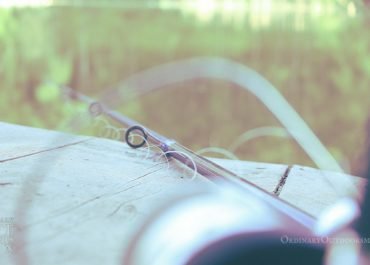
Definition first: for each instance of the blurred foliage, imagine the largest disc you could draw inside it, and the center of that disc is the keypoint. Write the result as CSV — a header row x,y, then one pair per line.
x,y
322,70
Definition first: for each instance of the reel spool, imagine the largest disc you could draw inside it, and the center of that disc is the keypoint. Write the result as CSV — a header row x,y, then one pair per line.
x,y
220,227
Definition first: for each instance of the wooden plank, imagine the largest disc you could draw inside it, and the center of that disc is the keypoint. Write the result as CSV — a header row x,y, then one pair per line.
x,y
313,190
79,199
17,141
266,176
76,206
74,191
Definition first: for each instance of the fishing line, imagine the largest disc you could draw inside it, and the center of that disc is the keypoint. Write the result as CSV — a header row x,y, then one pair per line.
x,y
194,168
146,144
258,132
248,79
162,144
218,150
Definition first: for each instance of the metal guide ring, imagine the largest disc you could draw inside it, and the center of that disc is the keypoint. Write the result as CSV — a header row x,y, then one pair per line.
x,y
136,128
95,109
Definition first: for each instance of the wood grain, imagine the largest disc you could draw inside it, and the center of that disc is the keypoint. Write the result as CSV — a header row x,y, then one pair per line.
x,y
78,199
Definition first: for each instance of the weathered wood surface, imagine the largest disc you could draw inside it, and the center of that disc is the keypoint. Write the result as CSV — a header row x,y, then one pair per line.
x,y
79,198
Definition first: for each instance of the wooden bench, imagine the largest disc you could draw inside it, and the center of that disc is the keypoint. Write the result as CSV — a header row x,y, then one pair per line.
x,y
78,199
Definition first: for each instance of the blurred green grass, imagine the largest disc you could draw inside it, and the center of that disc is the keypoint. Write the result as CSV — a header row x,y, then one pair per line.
x,y
323,71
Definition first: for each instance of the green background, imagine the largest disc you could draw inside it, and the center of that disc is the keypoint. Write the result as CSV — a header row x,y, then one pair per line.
x,y
322,68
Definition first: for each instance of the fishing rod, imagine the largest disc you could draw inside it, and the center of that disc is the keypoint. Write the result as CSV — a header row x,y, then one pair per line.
x,y
289,219
201,165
